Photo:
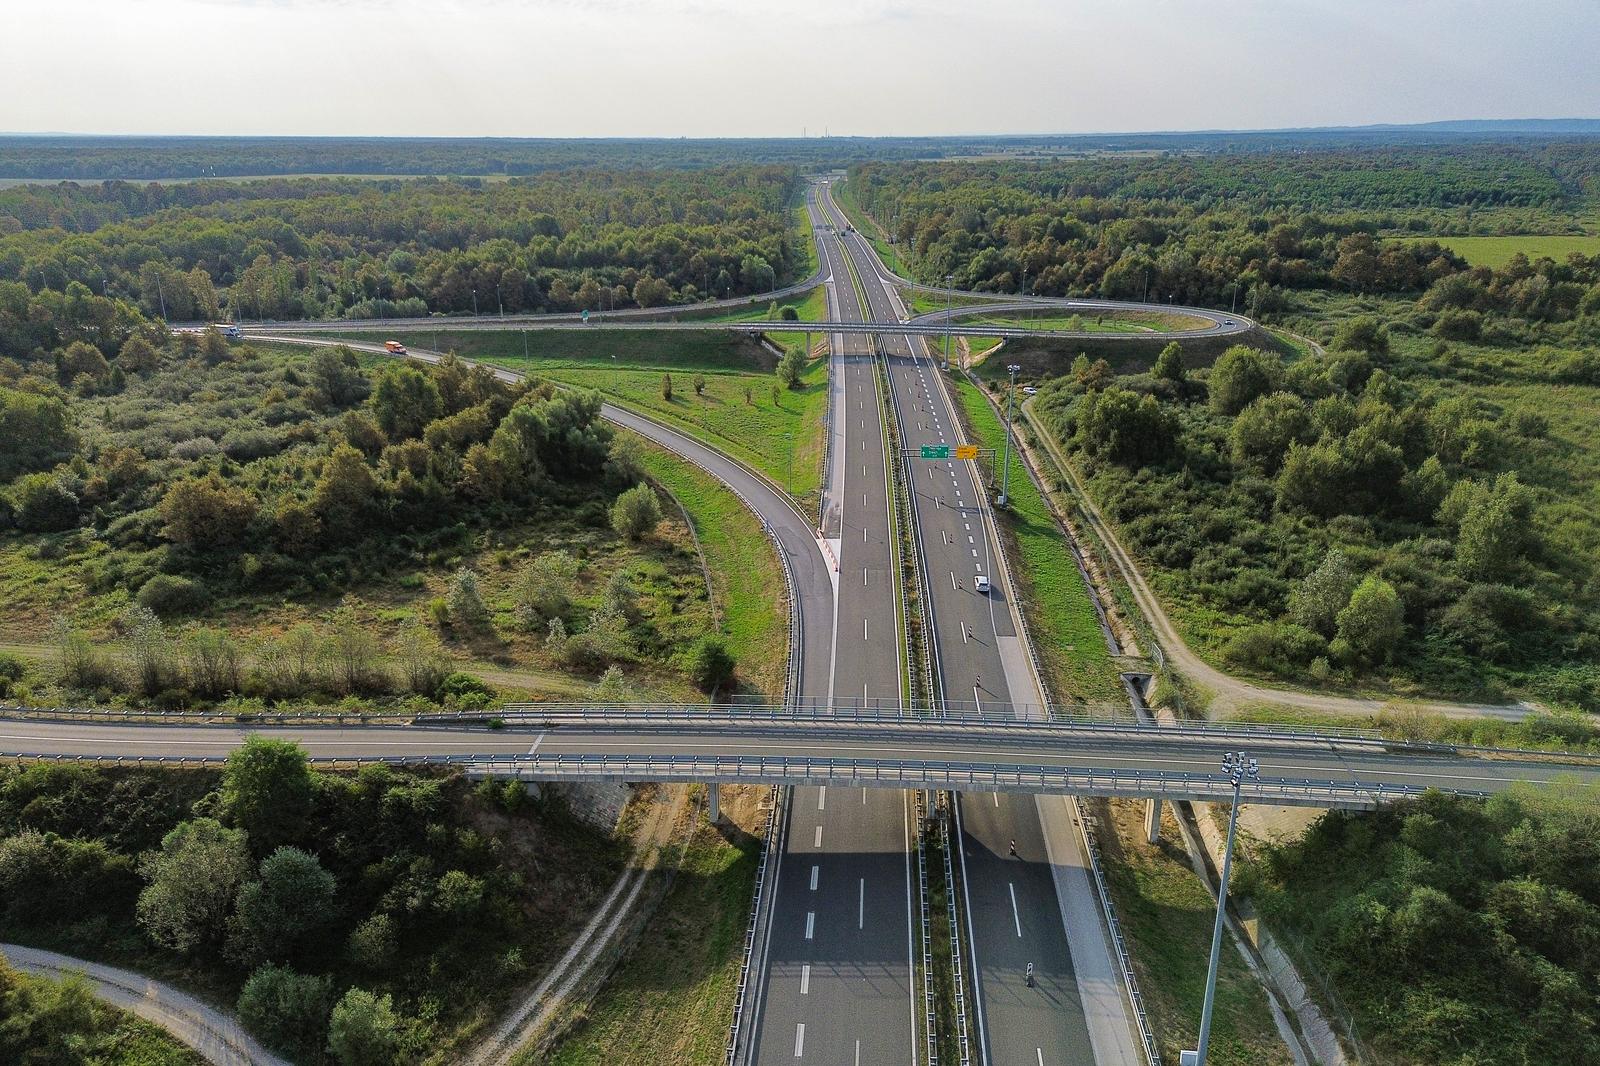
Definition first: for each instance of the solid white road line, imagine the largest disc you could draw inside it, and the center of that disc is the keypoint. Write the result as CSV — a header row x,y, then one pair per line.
x,y
1015,916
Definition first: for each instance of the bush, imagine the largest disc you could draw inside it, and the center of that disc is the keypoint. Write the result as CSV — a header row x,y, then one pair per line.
x,y
710,664
1459,325
169,595
1240,375
287,1010
44,505
364,1030
467,611
11,671
1276,647
204,513
636,512
466,691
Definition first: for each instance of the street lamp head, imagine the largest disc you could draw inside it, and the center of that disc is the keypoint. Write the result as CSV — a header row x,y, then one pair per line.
x,y
1237,765
1013,368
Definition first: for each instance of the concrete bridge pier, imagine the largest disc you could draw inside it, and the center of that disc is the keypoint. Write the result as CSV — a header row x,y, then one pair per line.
x,y
1152,820
713,802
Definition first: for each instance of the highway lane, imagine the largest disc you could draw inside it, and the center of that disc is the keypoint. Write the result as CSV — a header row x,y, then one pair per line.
x,y
832,989
980,656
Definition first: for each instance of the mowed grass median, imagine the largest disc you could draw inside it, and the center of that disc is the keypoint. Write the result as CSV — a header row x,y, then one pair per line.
x,y
1066,629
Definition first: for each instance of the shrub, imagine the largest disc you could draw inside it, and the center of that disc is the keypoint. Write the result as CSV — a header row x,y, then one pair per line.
x,y
636,512
710,663
169,595
1240,375
44,505
206,512
364,1030
465,691
465,603
1276,647
287,1010
195,448
11,671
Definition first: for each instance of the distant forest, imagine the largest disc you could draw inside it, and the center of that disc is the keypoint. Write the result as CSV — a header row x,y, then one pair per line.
x,y
148,158
330,247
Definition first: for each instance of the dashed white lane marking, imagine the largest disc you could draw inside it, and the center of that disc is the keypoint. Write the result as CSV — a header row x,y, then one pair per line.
x,y
996,803
861,905
805,978
536,743
816,869
1015,915
864,624
799,1040
817,843
952,581
1040,1052
974,553
822,798
811,920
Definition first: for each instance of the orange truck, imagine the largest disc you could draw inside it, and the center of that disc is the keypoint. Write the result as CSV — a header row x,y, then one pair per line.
x,y
394,347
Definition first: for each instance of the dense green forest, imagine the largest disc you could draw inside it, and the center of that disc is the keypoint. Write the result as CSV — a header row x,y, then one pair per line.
x,y
145,158
1221,229
168,491
1413,507
362,919
331,247
1458,932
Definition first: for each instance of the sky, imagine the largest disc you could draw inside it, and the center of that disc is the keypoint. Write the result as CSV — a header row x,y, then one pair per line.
x,y
738,68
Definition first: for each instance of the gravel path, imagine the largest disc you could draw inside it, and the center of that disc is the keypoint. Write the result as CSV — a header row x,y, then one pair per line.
x,y
216,1035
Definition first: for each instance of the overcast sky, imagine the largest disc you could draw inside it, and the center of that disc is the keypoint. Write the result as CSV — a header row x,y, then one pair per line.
x,y
559,68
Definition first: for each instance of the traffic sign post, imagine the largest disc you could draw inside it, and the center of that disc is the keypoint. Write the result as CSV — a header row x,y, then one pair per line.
x,y
936,451
967,451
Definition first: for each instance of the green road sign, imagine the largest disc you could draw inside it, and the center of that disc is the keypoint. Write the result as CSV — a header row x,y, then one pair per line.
x,y
936,451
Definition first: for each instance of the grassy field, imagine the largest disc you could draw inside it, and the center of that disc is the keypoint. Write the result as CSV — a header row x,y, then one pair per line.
x,y
744,569
671,999
64,1015
1066,629
1497,251
1108,322
1167,916
783,440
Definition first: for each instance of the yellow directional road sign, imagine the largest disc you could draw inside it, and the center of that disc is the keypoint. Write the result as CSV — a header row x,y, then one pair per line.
x,y
967,451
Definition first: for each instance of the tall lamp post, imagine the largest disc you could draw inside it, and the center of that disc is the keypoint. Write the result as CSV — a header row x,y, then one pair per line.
x,y
1237,766
949,280
1005,467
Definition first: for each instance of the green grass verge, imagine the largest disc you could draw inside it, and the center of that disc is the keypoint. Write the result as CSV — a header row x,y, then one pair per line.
x,y
807,265
782,440
1497,251
745,573
1108,322
1065,627
1167,917
869,228
671,999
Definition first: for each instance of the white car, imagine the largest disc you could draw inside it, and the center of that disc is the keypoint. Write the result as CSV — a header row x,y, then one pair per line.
x,y
1029,390
981,583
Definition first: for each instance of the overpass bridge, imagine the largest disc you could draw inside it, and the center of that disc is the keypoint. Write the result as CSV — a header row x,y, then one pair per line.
x,y
892,748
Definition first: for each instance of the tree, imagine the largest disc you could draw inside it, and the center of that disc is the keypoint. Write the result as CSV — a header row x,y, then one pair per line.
x,y
666,387
364,1030
543,589
43,504
291,898
1371,624
373,943
1169,364
405,401
1240,375
267,790
699,382
337,374
1316,603
191,883
1496,531
710,664
1362,334
35,433
287,1010
466,603
149,648
1263,431
790,367
1124,427
345,491
206,512
636,512
138,356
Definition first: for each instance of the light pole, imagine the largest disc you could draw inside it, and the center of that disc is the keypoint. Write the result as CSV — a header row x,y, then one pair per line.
x,y
1005,467
474,303
949,280
1238,766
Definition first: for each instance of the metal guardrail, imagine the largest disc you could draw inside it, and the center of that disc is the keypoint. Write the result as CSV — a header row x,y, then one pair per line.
x,y
930,1000
752,926
964,1043
1130,980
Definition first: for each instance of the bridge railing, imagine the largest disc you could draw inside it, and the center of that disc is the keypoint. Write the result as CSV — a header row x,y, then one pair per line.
x,y
962,776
